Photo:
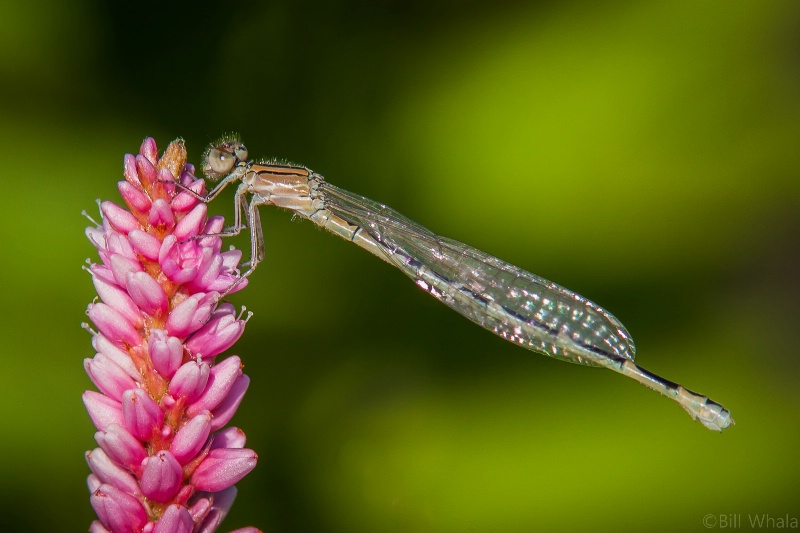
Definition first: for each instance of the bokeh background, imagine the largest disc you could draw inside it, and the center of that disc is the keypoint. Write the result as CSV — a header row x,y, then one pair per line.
x,y
642,153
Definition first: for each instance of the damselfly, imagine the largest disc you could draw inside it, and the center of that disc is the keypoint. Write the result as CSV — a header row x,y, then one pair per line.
x,y
517,305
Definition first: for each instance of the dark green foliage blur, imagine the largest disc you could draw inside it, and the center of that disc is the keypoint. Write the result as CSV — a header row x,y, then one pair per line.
x,y
642,153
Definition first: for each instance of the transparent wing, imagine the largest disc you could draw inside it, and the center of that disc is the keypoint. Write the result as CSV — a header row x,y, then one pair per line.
x,y
515,304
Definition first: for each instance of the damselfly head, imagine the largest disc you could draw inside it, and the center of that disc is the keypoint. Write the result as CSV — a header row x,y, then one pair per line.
x,y
221,158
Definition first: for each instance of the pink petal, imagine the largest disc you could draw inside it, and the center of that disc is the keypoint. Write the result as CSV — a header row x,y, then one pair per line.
x,y
172,264
119,218
190,381
148,174
219,333
149,150
134,198
161,477
145,244
119,244
121,266
102,272
176,519
116,354
130,172
141,414
93,482
110,472
220,381
122,447
221,503
112,324
108,376
117,298
191,224
97,237
167,181
185,201
118,511
214,225
200,509
191,314
223,468
146,293
229,438
97,527
208,270
102,409
230,259
166,352
191,438
161,215
227,408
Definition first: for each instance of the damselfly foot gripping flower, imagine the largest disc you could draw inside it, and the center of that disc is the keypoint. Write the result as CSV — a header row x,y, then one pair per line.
x,y
165,462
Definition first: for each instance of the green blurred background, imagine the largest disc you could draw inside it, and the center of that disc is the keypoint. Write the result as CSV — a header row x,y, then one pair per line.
x,y
642,153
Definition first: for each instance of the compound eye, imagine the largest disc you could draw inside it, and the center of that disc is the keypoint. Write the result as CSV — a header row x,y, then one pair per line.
x,y
240,151
220,161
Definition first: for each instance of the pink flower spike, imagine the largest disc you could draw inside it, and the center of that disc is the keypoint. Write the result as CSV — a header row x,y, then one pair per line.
x,y
146,293
161,215
112,324
111,473
191,314
161,477
122,447
227,408
166,352
102,409
120,219
190,381
229,438
219,333
145,244
108,376
191,224
224,467
159,281
142,416
176,519
134,198
118,511
222,377
191,438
